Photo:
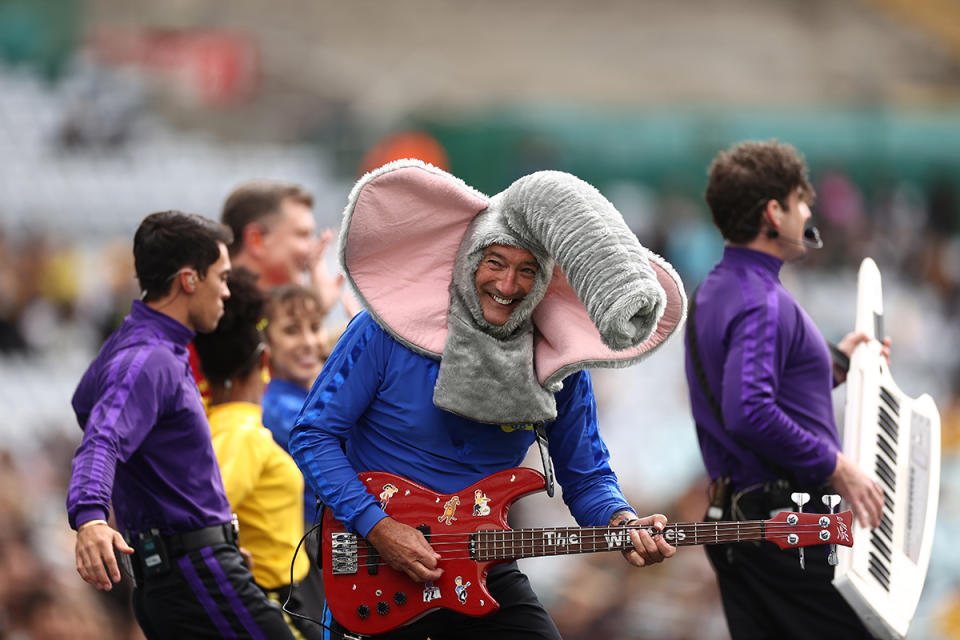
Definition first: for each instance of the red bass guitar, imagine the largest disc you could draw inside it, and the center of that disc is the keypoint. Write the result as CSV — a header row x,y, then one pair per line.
x,y
469,530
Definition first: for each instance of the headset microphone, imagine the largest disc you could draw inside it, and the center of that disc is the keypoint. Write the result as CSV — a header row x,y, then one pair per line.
x,y
811,238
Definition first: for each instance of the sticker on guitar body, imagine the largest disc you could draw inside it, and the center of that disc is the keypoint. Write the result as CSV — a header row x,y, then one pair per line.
x,y
481,505
430,592
386,494
448,510
461,589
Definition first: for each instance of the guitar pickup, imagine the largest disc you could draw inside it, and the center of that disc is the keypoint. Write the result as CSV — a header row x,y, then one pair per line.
x,y
373,560
425,530
343,554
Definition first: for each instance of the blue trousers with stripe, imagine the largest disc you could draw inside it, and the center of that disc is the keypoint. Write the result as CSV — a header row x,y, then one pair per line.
x,y
208,593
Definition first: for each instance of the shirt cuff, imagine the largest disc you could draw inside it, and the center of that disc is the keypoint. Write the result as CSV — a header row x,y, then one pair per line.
x,y
87,514
612,510
367,518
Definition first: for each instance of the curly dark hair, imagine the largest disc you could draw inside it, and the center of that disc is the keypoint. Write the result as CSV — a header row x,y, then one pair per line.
x,y
168,241
743,178
231,350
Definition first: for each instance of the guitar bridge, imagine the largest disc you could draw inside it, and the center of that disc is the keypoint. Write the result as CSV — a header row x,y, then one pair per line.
x,y
343,555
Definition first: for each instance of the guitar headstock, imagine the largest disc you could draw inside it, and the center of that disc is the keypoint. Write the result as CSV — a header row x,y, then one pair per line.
x,y
789,530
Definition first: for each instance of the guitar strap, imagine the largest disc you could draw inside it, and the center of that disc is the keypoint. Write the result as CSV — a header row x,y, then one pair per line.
x,y
734,450
541,434
839,358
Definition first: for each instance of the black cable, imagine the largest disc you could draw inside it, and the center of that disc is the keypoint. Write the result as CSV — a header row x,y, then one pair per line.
x,y
283,607
290,590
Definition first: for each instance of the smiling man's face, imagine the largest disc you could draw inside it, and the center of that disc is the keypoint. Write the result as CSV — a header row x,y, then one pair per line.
x,y
289,244
504,277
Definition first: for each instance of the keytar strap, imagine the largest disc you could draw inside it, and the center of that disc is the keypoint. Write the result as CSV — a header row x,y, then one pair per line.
x,y
733,448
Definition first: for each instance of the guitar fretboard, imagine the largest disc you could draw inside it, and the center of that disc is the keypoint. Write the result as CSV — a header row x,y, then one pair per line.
x,y
489,545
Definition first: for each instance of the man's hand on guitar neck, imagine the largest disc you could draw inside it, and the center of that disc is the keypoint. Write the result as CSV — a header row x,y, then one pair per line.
x,y
647,549
405,549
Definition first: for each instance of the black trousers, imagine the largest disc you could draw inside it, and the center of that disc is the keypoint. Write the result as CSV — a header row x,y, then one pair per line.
x,y
207,593
520,616
764,591
766,595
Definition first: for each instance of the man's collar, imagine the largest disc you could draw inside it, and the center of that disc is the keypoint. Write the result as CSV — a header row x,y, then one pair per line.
x,y
172,329
741,255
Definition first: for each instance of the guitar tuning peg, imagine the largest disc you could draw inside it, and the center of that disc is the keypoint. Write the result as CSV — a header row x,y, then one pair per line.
x,y
800,498
831,501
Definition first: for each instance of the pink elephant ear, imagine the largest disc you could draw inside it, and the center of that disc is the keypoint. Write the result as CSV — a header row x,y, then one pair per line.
x,y
402,227
568,341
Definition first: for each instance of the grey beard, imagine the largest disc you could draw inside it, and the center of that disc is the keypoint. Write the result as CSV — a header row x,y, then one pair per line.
x,y
489,379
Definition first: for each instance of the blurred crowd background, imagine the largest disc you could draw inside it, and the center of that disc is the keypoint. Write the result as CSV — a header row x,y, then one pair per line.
x,y
112,109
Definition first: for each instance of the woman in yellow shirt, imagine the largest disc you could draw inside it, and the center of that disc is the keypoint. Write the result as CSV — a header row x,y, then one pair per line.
x,y
263,484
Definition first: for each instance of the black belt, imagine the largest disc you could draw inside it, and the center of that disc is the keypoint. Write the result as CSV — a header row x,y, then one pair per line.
x,y
181,543
154,553
756,502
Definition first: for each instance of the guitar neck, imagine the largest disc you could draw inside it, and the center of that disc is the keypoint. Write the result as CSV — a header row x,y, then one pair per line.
x,y
495,544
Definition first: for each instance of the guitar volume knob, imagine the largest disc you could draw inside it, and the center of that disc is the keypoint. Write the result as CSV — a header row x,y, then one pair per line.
x,y
363,611
400,597
383,608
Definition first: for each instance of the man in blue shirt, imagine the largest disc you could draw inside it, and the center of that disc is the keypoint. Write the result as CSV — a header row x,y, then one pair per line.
x,y
760,380
147,450
386,402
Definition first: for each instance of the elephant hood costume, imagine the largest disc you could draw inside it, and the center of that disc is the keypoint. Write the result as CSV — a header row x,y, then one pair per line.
x,y
410,244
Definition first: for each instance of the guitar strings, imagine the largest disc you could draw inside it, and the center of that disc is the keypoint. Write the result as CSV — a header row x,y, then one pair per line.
x,y
732,525
586,532
595,532
486,545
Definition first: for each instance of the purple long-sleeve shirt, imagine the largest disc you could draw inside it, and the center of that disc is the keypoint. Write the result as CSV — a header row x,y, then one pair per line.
x,y
146,439
769,367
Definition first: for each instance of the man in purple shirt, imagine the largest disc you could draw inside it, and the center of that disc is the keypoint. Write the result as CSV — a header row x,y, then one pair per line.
x,y
760,378
147,450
